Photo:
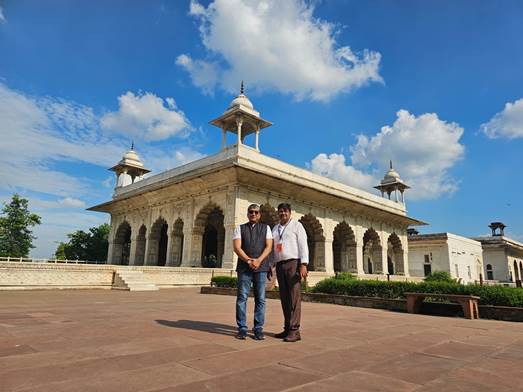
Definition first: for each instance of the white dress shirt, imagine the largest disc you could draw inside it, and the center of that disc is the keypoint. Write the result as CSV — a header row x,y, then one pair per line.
x,y
292,240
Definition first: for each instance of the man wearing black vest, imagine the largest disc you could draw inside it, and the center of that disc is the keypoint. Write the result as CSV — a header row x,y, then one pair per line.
x,y
252,242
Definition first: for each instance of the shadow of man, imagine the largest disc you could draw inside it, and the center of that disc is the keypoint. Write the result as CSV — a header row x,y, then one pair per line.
x,y
221,329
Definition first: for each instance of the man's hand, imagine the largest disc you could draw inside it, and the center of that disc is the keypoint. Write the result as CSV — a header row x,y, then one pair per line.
x,y
303,271
255,264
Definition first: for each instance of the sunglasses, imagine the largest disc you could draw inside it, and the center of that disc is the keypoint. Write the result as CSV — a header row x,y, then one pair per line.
x,y
253,212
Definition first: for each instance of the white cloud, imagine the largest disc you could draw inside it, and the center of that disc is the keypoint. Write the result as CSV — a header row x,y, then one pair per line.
x,y
61,203
147,117
423,150
2,17
277,45
506,124
333,166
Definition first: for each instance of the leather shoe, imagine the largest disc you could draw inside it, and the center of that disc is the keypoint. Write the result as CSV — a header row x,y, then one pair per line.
x,y
292,337
282,334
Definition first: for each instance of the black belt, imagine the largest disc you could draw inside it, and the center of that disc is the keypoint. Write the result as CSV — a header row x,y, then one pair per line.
x,y
286,261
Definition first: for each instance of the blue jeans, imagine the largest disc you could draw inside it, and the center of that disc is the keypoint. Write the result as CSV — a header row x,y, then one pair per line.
x,y
245,280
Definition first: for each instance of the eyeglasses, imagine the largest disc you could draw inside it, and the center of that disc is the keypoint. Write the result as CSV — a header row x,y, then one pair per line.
x,y
253,212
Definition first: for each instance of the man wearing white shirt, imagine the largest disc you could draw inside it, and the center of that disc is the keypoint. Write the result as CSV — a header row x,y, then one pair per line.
x,y
252,242
291,255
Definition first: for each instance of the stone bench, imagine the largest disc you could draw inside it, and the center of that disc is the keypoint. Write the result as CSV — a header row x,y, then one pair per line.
x,y
469,303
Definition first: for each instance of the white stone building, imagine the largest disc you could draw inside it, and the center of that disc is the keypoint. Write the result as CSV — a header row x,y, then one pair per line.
x,y
185,216
461,257
503,256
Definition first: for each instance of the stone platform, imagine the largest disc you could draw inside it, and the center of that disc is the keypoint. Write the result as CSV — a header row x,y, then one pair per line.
x,y
180,340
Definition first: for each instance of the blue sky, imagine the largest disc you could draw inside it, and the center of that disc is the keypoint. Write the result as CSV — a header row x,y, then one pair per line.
x,y
436,86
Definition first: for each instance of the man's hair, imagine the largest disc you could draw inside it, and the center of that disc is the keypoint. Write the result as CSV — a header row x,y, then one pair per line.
x,y
284,206
253,206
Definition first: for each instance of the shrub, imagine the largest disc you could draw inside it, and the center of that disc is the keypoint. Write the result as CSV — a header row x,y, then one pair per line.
x,y
224,281
489,295
344,276
439,276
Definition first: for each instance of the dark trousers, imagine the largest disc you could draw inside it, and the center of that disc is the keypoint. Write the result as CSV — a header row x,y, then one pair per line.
x,y
289,280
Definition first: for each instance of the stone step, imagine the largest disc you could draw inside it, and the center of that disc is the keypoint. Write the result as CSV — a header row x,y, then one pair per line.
x,y
133,281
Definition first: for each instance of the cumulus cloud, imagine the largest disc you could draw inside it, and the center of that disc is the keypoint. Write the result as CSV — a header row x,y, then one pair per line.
x,y
506,124
423,150
276,45
2,17
146,116
40,136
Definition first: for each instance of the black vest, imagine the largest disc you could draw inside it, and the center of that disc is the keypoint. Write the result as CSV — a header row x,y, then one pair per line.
x,y
253,244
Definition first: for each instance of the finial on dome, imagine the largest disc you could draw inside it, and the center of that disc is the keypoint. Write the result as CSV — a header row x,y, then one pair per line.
x,y
391,163
132,145
241,88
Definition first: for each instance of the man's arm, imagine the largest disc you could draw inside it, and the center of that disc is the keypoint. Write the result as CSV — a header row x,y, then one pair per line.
x,y
303,250
237,245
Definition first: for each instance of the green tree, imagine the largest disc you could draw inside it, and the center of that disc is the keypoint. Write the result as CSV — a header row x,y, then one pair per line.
x,y
90,246
16,236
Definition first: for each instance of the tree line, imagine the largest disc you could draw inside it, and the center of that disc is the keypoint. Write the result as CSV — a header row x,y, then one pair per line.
x,y
16,235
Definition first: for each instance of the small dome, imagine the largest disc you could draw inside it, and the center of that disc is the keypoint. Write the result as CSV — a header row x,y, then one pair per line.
x,y
241,100
131,158
391,175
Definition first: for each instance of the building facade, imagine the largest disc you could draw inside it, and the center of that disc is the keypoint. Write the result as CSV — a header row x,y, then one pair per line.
x,y
503,256
185,217
461,257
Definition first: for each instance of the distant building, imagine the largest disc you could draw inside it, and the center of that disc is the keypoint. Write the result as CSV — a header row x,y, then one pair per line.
x,y
460,256
503,257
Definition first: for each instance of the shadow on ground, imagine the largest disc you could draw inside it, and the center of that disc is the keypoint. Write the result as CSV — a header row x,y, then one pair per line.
x,y
221,329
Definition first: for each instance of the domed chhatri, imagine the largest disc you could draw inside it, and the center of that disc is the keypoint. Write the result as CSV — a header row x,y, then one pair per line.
x,y
130,168
241,100
240,118
392,183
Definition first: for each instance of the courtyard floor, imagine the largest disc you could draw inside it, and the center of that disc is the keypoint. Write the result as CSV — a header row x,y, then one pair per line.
x,y
180,340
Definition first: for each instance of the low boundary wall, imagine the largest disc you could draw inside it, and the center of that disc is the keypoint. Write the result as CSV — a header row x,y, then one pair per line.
x,y
505,313
27,276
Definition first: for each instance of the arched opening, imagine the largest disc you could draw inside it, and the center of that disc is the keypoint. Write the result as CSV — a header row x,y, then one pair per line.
x,y
139,257
269,215
490,272
177,243
315,242
516,271
158,243
344,248
209,235
372,252
122,244
395,255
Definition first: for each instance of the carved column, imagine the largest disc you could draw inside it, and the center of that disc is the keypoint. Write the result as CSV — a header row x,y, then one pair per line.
x,y
328,256
359,259
110,253
132,252
169,255
239,122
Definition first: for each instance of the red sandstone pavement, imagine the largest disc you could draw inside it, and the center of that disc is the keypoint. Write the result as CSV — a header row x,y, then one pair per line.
x,y
180,340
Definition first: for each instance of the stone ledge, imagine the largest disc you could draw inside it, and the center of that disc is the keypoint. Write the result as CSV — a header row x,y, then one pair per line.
x,y
504,313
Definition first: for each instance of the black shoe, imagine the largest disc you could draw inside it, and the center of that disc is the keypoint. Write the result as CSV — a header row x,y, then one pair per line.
x,y
242,335
259,336
292,337
281,335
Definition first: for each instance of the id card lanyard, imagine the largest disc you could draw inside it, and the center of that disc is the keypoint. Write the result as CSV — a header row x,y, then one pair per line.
x,y
279,246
